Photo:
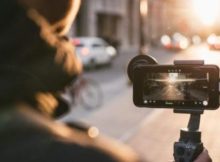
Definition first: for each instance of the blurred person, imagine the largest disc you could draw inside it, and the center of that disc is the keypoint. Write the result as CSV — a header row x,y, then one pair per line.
x,y
36,63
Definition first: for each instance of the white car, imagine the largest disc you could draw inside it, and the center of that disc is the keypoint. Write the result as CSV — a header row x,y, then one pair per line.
x,y
94,51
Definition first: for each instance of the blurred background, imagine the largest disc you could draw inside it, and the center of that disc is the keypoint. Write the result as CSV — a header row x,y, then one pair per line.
x,y
107,34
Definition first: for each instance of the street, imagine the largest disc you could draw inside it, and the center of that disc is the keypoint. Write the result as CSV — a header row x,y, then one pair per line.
x,y
118,117
110,118
76,84
166,93
200,52
113,80
171,92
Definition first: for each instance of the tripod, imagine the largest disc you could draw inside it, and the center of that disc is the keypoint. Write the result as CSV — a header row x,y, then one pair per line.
x,y
189,145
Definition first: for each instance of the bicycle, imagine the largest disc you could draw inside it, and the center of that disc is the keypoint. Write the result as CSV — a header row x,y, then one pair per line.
x,y
85,92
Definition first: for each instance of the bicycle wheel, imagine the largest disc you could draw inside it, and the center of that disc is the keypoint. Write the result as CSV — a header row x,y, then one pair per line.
x,y
90,95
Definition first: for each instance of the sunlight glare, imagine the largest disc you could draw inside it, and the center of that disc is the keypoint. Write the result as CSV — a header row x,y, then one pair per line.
x,y
207,10
172,78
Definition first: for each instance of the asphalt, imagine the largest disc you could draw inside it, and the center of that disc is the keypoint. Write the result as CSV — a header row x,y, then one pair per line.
x,y
119,118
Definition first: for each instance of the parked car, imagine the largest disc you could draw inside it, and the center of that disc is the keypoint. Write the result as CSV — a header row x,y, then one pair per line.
x,y
214,42
94,51
175,42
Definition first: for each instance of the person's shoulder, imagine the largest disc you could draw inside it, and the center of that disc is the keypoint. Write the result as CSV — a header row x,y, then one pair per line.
x,y
54,140
87,143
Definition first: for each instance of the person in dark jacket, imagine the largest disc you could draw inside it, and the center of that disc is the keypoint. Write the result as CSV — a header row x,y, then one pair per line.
x,y
36,63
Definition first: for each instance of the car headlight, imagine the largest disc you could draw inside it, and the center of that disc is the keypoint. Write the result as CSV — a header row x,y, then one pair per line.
x,y
165,40
184,44
111,51
211,39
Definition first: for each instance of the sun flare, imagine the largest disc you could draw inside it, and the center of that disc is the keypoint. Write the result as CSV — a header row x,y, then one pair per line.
x,y
207,10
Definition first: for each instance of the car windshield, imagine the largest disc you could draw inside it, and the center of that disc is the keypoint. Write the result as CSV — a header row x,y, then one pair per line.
x,y
79,45
97,45
167,30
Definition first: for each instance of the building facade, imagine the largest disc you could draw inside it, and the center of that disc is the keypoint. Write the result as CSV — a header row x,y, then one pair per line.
x,y
156,21
117,21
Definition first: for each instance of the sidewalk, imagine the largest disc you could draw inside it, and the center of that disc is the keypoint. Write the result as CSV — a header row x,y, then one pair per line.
x,y
154,141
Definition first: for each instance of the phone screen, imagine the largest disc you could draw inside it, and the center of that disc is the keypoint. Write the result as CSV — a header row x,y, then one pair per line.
x,y
181,87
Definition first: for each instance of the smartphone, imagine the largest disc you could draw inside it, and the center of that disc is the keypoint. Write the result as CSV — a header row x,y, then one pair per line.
x,y
176,86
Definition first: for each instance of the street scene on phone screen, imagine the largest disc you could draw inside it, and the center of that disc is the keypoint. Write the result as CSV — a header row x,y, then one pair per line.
x,y
175,86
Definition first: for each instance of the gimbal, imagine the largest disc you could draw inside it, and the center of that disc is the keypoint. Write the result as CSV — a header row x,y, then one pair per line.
x,y
189,145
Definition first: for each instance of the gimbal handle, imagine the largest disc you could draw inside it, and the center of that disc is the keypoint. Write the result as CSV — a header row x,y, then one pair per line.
x,y
189,145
